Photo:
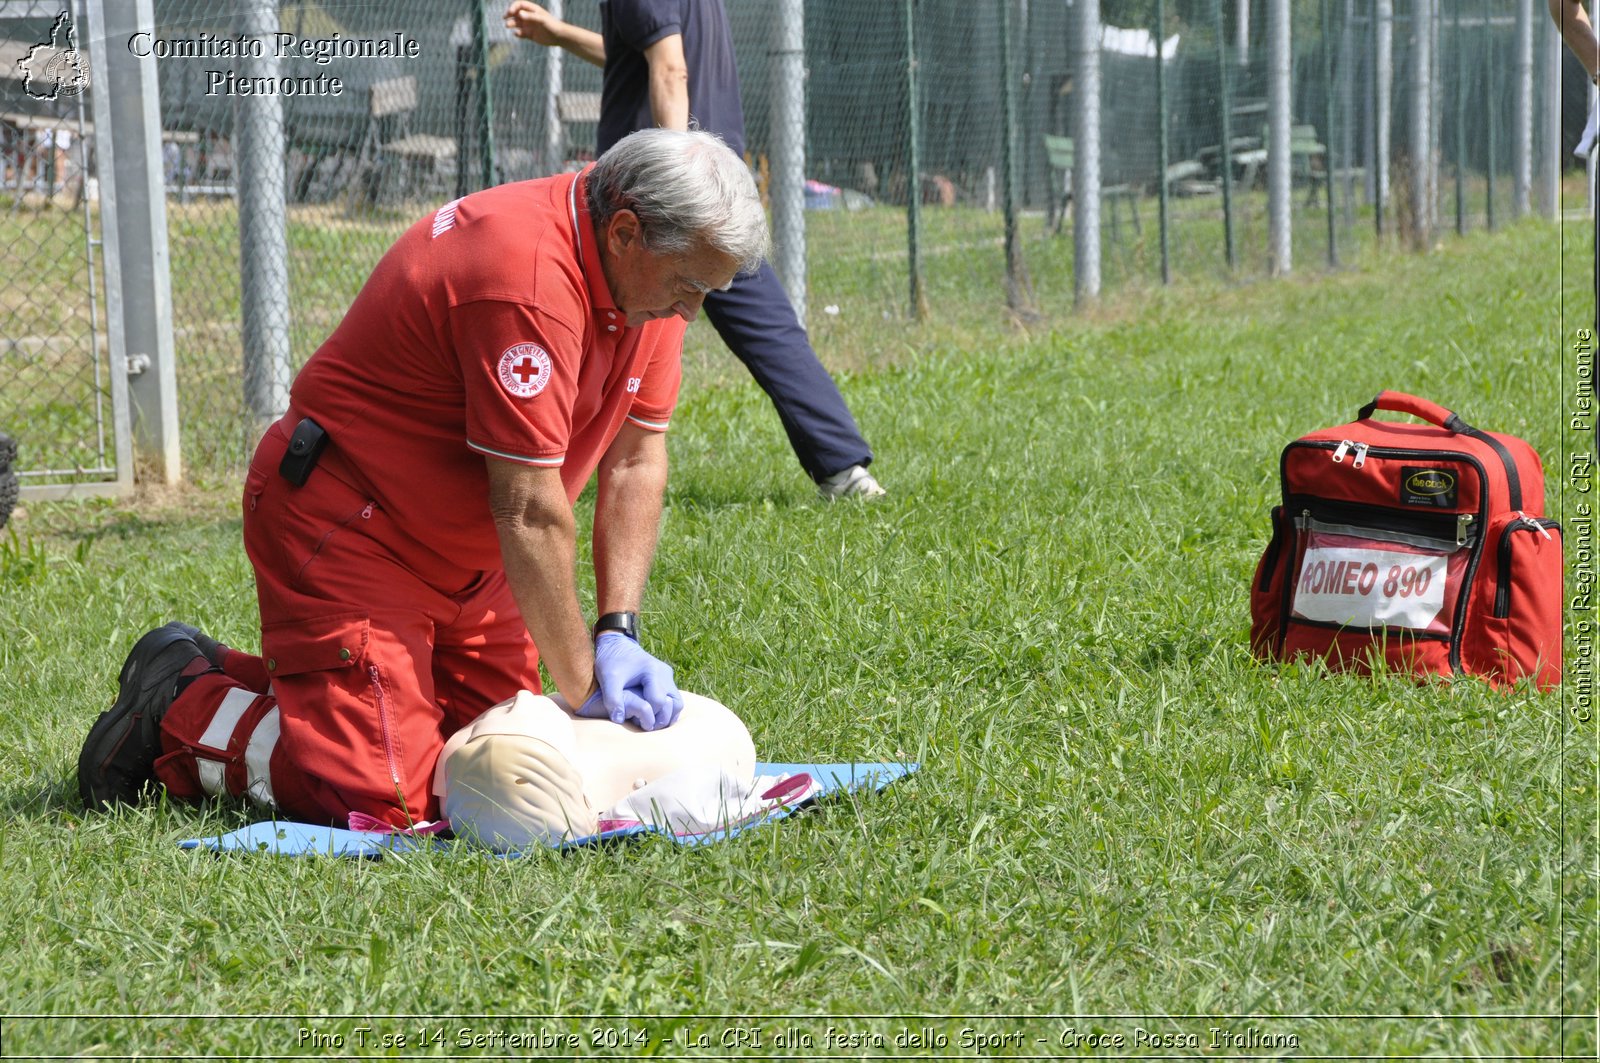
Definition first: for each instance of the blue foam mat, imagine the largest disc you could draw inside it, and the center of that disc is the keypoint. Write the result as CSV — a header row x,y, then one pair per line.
x,y
285,838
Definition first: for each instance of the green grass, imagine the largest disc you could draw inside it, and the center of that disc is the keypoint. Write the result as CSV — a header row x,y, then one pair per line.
x,y
1119,812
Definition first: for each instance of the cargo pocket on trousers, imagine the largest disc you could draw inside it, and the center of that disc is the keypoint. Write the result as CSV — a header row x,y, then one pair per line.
x,y
338,645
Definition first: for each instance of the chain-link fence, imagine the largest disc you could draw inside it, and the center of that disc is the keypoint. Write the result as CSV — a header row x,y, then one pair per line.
x,y
56,396
965,160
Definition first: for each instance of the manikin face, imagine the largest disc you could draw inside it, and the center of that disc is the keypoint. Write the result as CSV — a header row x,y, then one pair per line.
x,y
647,285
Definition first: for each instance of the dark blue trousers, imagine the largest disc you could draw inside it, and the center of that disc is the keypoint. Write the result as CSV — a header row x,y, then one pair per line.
x,y
757,322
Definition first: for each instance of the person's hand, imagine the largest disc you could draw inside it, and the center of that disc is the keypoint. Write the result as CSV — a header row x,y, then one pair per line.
x,y
634,686
531,22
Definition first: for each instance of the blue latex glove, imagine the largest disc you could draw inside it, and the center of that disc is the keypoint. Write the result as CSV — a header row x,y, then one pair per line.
x,y
634,686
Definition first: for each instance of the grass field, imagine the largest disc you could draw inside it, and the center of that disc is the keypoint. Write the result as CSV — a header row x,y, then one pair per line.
x,y
1122,824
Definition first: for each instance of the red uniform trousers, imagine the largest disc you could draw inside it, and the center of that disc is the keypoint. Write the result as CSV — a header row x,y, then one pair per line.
x,y
375,649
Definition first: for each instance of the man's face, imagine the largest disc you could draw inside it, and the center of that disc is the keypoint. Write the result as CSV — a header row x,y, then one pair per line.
x,y
647,285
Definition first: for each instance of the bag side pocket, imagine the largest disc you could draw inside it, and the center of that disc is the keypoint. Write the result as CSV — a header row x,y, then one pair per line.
x,y
1519,634
1266,591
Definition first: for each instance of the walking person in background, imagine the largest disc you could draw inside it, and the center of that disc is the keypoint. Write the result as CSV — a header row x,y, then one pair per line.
x,y
54,160
669,63
1578,32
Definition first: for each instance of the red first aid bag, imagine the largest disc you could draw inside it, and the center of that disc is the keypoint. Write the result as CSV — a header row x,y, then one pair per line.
x,y
1423,545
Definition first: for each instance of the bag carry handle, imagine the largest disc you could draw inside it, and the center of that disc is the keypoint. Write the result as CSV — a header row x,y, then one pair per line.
x,y
1433,413
1400,402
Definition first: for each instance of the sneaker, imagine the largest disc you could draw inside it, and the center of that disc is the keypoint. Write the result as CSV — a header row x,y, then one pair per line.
x,y
854,482
119,756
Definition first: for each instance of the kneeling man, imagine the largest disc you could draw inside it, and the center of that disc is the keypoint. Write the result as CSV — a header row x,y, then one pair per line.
x,y
410,518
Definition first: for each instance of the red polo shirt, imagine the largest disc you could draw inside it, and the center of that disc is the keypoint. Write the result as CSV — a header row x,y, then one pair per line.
x,y
487,329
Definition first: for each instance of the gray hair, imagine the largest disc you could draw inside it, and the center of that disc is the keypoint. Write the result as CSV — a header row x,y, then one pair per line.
x,y
687,189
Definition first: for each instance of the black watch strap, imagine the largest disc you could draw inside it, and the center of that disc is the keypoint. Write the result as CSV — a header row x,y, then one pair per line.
x,y
622,623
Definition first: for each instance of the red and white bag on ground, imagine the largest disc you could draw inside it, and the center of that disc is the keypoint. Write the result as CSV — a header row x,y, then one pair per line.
x,y
1424,545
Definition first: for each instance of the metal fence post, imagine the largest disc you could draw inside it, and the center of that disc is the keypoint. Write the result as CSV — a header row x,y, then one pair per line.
x,y
1550,122
1590,166
1164,148
789,151
1328,158
1383,81
1347,107
485,111
1421,120
1086,157
1458,46
1489,108
1019,289
263,235
134,230
1279,224
1435,112
554,135
919,301
1522,131
1225,108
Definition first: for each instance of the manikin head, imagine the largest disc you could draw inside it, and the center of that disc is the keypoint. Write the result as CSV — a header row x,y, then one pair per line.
x,y
527,773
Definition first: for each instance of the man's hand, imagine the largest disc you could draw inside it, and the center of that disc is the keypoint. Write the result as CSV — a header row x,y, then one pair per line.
x,y
532,23
633,685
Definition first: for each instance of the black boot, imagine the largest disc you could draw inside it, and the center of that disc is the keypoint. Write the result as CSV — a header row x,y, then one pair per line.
x,y
119,756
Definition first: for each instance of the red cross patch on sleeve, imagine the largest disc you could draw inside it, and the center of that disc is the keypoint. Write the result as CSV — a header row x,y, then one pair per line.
x,y
524,369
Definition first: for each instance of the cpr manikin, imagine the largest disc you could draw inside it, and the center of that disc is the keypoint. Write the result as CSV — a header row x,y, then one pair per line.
x,y
528,772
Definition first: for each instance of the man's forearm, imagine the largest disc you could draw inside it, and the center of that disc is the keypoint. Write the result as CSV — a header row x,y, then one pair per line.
x,y
533,22
585,44
627,520
538,546
1578,32
539,567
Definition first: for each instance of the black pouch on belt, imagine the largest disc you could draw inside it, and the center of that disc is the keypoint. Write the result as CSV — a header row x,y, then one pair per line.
x,y
305,447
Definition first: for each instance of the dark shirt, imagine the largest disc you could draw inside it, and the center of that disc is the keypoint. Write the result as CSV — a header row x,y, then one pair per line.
x,y
631,26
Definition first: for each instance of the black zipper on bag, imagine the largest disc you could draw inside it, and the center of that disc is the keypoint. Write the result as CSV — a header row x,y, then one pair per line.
x,y
1474,555
1446,527
1291,531
1274,548
1502,593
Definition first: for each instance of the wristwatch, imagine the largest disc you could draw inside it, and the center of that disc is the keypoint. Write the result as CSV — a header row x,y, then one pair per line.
x,y
622,623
